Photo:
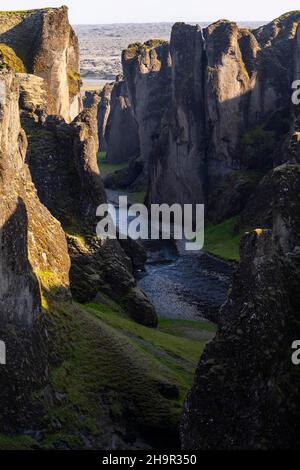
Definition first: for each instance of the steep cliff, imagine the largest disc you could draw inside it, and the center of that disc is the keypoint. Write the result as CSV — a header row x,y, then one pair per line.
x,y
47,46
245,393
63,162
178,157
121,133
147,71
103,114
34,267
213,109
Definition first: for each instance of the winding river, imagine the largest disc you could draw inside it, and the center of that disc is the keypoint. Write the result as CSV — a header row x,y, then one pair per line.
x,y
182,284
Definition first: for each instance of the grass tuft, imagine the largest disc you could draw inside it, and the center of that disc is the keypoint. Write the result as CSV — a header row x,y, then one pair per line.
x,y
224,239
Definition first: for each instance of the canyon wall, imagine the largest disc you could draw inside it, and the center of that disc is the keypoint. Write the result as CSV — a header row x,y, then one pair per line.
x,y
63,163
147,71
43,43
245,394
103,114
35,248
34,268
212,108
121,133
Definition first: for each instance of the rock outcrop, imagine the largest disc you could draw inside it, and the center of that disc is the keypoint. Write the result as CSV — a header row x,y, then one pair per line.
x,y
35,249
63,162
45,44
212,104
147,71
34,267
245,394
62,158
121,133
103,114
178,160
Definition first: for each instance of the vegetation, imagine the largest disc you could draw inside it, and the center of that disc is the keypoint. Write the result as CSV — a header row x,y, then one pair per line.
x,y
287,15
111,368
72,227
21,12
17,443
137,197
11,60
224,239
258,145
135,45
101,156
109,168
155,43
74,82
244,69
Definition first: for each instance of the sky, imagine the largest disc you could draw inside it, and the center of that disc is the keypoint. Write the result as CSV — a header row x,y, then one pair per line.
x,y
149,11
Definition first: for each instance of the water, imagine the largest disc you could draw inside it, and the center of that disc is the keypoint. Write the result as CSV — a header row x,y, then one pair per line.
x,y
183,284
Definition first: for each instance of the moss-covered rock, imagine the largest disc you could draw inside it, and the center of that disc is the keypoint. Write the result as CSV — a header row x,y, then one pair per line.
x,y
9,59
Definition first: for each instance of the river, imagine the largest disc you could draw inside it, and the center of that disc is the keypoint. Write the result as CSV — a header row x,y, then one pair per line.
x,y
182,284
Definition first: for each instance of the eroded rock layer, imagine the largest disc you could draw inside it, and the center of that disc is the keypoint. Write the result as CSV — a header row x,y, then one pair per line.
x,y
45,45
34,267
246,387
212,108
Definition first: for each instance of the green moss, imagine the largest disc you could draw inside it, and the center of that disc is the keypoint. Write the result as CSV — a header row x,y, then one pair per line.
x,y
11,59
286,15
17,443
137,197
72,227
244,69
135,46
155,43
74,81
109,168
113,368
163,339
22,12
258,145
224,239
101,157
259,137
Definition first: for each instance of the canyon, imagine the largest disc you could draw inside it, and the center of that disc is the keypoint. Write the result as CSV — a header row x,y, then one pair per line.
x,y
92,361
216,125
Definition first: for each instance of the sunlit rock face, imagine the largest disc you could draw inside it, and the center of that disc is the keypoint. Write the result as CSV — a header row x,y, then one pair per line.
x,y
47,46
214,109
32,241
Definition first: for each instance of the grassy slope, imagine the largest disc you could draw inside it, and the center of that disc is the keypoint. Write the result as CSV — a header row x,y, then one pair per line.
x,y
112,374
224,239
137,197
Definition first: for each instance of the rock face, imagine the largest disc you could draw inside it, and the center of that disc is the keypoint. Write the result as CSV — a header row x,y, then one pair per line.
x,y
103,114
102,269
34,266
147,71
227,110
121,133
63,162
178,161
47,46
35,251
246,387
62,157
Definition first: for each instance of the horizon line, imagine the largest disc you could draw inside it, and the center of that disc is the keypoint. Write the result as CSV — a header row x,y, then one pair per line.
x,y
169,22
